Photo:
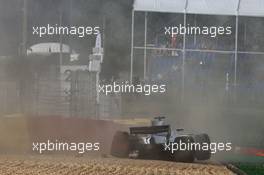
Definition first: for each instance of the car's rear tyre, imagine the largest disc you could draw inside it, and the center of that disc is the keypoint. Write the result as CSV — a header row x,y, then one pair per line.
x,y
184,154
201,154
120,145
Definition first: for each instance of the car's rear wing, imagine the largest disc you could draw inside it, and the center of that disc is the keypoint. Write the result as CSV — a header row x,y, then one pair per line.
x,y
150,129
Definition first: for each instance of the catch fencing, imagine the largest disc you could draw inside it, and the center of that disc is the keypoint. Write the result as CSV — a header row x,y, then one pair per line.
x,y
47,96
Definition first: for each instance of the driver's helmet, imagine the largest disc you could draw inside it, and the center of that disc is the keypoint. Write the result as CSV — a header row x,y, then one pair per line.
x,y
158,121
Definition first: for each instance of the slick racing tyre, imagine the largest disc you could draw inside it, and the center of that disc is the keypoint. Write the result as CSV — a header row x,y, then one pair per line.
x,y
120,145
201,154
186,155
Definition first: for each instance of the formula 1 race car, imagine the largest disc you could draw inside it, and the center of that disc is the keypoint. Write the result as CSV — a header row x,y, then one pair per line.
x,y
160,142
